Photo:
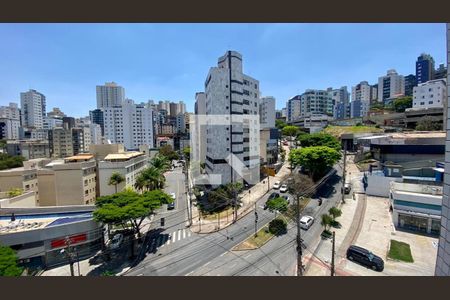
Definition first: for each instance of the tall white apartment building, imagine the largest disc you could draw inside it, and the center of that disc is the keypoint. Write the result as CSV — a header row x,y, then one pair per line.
x,y
316,102
294,108
51,122
109,95
432,93
233,149
443,255
181,107
9,122
33,105
181,123
198,139
361,98
129,124
390,86
267,112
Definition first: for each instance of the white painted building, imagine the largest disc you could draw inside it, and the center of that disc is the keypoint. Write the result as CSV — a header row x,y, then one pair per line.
x,y
11,111
316,102
129,164
198,138
267,112
361,97
390,86
129,124
9,129
294,108
33,105
430,94
232,94
109,95
50,123
181,123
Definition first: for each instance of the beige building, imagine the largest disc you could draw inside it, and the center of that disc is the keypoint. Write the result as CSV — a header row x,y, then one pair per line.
x,y
29,149
129,164
102,150
71,181
61,142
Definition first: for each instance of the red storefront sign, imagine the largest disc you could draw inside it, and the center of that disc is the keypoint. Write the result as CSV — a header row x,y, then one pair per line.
x,y
74,239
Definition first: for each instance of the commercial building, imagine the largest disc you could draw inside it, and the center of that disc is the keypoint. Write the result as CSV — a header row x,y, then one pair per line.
x,y
429,94
410,83
414,115
33,106
294,108
29,149
129,124
443,255
128,164
267,112
268,144
390,86
234,98
416,207
424,68
71,181
312,122
109,95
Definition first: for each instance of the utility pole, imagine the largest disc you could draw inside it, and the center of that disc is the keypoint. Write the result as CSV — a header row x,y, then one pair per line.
x,y
68,251
299,239
332,256
343,173
256,222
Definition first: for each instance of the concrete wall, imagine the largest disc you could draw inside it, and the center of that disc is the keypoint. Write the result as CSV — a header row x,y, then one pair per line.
x,y
24,200
379,185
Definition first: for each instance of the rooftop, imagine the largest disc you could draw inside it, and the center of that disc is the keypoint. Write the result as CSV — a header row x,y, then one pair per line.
x,y
79,157
123,156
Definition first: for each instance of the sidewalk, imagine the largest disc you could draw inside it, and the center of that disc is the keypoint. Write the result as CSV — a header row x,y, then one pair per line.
x,y
248,203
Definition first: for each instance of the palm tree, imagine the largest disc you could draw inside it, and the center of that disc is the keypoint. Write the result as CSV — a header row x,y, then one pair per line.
x,y
150,178
116,179
160,162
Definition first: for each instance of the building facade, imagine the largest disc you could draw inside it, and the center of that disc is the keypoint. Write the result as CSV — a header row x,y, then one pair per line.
x,y
410,83
390,86
129,124
33,106
429,94
294,108
424,68
362,95
29,148
9,129
267,112
198,138
109,95
316,102
96,117
232,95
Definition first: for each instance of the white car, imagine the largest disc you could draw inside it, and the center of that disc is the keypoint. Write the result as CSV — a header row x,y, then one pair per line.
x,y
276,185
306,222
173,196
116,241
283,188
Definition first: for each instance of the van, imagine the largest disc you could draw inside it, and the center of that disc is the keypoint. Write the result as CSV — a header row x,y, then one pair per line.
x,y
347,188
365,257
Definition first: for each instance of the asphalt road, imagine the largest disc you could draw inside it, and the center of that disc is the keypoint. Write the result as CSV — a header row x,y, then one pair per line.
x,y
175,251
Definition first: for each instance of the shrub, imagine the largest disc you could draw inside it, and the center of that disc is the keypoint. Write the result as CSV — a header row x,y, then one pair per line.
x,y
278,226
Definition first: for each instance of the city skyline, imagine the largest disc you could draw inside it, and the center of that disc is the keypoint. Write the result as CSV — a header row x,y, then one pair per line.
x,y
273,54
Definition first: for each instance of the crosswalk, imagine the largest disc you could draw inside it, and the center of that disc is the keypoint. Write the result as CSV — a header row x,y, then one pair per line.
x,y
165,239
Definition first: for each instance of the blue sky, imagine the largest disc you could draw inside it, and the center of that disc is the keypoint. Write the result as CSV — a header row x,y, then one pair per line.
x,y
170,61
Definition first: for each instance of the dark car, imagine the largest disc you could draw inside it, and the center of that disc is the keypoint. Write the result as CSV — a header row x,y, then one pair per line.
x,y
274,195
365,258
171,205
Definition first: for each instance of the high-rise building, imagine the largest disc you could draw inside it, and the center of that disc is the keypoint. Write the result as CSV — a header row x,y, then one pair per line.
x,y
96,117
181,123
61,142
294,108
361,98
410,83
109,95
181,109
316,102
56,113
9,122
424,68
267,112
284,112
390,86
443,255
340,101
10,112
199,137
33,105
440,72
374,93
52,122
232,150
129,124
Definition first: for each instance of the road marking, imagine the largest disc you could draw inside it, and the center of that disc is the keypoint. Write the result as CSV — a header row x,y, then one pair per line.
x,y
248,255
168,240
184,233
223,254
189,233
179,235
174,235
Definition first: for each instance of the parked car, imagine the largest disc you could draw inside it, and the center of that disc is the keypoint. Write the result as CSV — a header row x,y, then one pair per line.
x,y
172,204
276,185
365,258
284,188
116,241
274,195
347,187
306,222
285,143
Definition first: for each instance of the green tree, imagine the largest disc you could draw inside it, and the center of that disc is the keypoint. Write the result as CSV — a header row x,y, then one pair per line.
x,y
280,124
290,131
15,192
160,162
8,161
150,178
223,197
8,262
116,179
278,226
320,139
168,152
315,159
129,208
187,152
325,221
428,123
335,212
277,204
401,104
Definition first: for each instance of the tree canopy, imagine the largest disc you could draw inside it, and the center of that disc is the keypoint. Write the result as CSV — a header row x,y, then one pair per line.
x,y
428,123
8,161
129,207
116,179
223,197
315,159
168,152
401,104
150,178
320,139
280,124
290,130
277,204
160,162
8,262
